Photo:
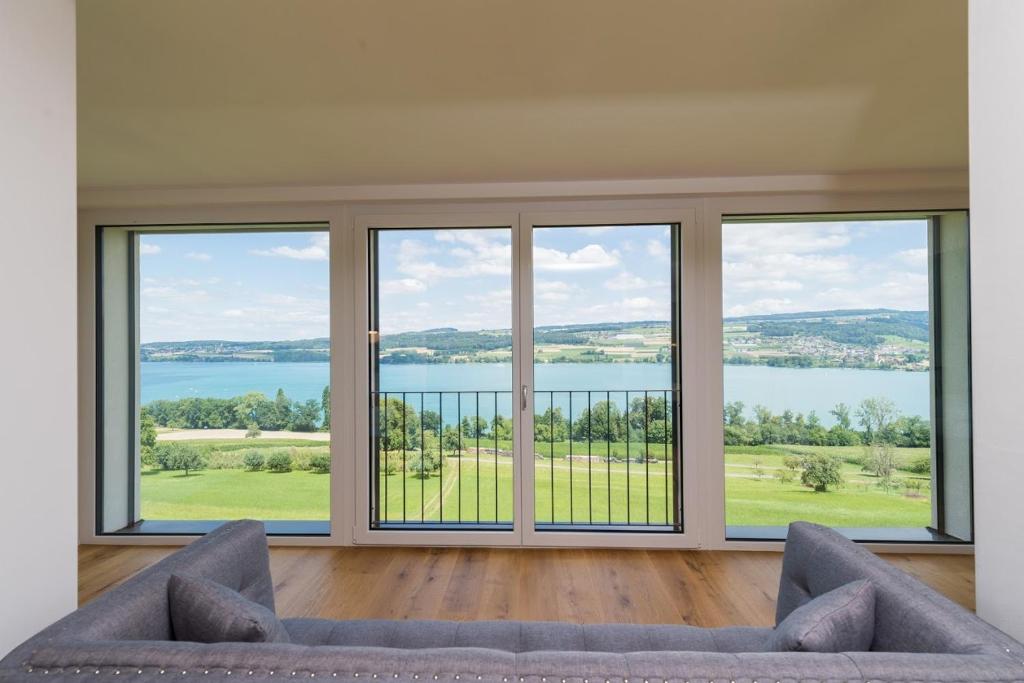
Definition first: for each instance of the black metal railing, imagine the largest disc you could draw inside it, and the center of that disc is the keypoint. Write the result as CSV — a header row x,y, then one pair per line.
x,y
603,459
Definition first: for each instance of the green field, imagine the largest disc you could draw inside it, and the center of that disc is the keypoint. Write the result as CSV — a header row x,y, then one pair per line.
x,y
754,495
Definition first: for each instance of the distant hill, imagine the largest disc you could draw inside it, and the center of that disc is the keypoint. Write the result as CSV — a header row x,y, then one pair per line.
x,y
864,327
760,339
219,351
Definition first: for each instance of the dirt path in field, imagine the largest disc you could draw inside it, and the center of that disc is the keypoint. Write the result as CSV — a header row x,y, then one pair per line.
x,y
204,434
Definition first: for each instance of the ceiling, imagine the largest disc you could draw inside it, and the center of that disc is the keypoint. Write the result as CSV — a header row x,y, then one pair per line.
x,y
345,92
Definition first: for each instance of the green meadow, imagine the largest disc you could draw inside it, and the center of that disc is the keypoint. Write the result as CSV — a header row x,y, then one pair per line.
x,y
469,488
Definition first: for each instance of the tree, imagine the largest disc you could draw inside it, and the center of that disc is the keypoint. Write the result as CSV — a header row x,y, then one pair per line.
x,y
501,428
880,460
733,414
647,419
254,407
450,441
603,422
423,464
147,438
874,415
304,416
550,425
473,427
173,455
769,427
252,431
395,415
431,421
842,414
821,471
282,412
325,406
841,436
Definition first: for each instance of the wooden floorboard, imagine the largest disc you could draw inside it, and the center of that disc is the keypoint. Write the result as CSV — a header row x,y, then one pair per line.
x,y
702,588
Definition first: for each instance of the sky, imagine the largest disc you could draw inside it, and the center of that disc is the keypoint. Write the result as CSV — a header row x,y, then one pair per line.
x,y
814,266
252,286
463,278
240,286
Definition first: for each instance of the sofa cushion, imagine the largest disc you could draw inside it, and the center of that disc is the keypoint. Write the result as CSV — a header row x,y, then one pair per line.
x,y
518,637
204,611
842,620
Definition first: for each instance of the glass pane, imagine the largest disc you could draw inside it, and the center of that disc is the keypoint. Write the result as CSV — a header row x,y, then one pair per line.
x,y
441,378
234,381
606,441
827,350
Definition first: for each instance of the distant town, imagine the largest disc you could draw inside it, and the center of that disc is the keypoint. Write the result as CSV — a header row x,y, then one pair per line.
x,y
875,338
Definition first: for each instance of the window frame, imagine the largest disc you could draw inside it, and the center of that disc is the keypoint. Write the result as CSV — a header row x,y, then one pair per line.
x,y
935,533
776,207
135,221
709,199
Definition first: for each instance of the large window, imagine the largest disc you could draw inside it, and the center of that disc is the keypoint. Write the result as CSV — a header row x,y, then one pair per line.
x,y
560,390
547,375
441,382
214,370
846,375
605,369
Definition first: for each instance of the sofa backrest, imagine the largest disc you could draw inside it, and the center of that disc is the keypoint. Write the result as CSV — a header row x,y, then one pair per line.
x,y
234,555
909,616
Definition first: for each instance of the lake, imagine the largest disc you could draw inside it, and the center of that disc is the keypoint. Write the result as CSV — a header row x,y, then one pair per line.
x,y
798,389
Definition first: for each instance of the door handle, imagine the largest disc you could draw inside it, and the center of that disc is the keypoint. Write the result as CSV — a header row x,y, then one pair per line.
x,y
522,402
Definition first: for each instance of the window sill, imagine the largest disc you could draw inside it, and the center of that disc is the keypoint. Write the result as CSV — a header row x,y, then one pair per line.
x,y
200,527
860,535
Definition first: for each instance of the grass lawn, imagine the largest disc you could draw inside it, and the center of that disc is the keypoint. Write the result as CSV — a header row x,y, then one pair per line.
x,y
470,490
231,494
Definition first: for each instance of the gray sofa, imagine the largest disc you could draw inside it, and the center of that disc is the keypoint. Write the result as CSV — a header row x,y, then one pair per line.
x,y
127,633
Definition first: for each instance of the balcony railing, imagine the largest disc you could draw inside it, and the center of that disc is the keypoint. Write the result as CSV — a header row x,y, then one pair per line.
x,y
603,460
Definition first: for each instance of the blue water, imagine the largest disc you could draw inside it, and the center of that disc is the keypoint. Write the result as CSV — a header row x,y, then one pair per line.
x,y
800,390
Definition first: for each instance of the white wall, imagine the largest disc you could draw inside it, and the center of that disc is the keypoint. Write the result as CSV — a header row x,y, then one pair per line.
x,y
996,59
38,412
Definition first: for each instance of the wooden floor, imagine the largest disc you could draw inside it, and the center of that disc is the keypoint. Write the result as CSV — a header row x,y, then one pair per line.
x,y
583,586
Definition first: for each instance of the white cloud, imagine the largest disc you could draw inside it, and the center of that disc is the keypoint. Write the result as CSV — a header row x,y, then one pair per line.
x,y
790,267
149,249
760,307
768,286
198,256
626,281
477,252
917,258
318,250
744,239
402,286
657,249
553,290
596,229
170,294
159,292
626,309
590,257
502,297
784,266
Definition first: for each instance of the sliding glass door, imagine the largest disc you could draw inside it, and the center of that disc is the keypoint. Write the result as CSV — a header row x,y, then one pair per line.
x,y
441,380
524,382
606,378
